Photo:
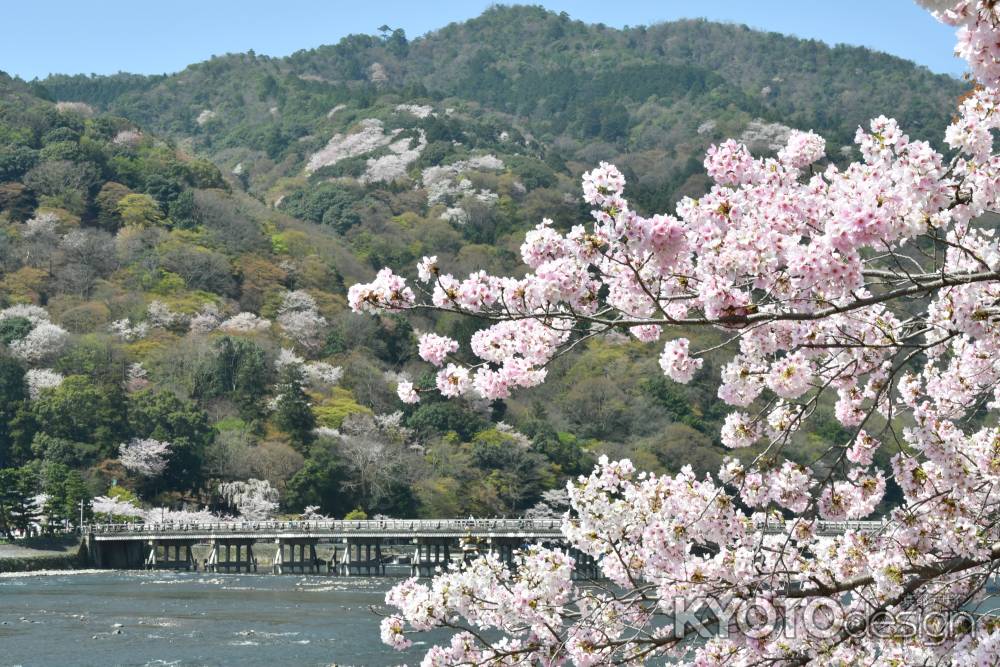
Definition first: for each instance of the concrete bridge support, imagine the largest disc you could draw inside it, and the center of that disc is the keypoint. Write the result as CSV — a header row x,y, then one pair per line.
x,y
158,555
362,556
128,555
504,548
306,561
432,553
232,554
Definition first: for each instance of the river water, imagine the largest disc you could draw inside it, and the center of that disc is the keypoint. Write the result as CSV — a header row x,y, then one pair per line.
x,y
105,619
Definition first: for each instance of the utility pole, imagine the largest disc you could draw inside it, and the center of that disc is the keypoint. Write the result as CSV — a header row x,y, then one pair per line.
x,y
81,516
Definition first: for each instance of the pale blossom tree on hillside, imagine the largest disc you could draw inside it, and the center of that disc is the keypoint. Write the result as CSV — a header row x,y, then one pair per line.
x,y
876,284
181,516
312,513
42,343
39,379
244,323
159,314
252,499
374,449
106,507
206,320
144,456
128,331
317,374
300,320
34,314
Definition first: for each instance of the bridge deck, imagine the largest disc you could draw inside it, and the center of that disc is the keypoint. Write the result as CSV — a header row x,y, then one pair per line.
x,y
533,529
528,529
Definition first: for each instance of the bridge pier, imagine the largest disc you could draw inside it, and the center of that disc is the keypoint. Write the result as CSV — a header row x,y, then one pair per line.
x,y
306,562
432,553
126,555
504,548
362,556
221,557
179,562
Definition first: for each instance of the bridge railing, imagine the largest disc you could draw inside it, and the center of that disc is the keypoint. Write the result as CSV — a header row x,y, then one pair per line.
x,y
397,526
335,526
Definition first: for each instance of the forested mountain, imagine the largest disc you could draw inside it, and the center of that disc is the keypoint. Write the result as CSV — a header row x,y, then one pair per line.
x,y
175,251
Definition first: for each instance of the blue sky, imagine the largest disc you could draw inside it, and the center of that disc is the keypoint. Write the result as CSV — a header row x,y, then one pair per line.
x,y
152,37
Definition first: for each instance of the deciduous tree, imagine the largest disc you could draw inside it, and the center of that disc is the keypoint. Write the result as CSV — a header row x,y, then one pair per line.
x,y
876,284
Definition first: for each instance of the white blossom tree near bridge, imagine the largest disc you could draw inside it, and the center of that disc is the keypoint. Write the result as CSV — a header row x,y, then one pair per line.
x,y
878,283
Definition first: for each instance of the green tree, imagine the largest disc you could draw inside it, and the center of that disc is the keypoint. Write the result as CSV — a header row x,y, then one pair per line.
x,y
294,414
13,393
327,203
18,487
54,476
82,411
435,418
15,161
14,328
165,416
239,372
137,210
564,450
322,482
61,450
66,494
514,472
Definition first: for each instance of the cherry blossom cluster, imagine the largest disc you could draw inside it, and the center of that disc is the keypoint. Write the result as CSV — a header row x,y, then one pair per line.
x,y
252,499
206,320
316,373
976,21
40,379
108,508
144,456
244,323
159,314
128,331
869,290
300,319
43,341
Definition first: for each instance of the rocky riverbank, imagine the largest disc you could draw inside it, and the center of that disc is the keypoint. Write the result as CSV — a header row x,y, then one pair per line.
x,y
41,553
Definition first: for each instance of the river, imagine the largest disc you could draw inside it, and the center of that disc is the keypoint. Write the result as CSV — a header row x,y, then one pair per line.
x,y
104,619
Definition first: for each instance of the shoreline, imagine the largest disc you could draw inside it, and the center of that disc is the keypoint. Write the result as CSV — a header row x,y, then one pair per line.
x,y
56,553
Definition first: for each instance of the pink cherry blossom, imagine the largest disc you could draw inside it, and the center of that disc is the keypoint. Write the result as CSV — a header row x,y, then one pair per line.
x,y
802,149
434,348
144,456
406,392
453,380
862,297
677,363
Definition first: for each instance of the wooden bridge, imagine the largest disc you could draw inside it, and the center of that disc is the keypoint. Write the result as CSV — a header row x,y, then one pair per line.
x,y
352,547
358,547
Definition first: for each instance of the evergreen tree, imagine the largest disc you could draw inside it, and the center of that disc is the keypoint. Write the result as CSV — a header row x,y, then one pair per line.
x,y
65,493
12,395
294,413
8,480
165,416
17,499
239,372
54,479
76,499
